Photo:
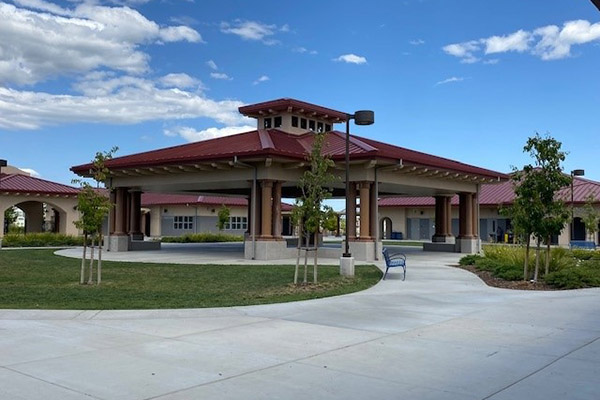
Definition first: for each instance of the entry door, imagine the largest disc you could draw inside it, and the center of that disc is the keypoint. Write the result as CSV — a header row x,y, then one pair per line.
x,y
424,229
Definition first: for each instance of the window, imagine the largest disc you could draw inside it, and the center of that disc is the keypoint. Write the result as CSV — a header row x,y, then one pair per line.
x,y
267,123
237,223
319,127
327,127
311,125
185,223
294,121
277,122
303,123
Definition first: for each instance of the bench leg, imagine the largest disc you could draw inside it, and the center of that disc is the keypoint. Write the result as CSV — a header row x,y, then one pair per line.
x,y
386,271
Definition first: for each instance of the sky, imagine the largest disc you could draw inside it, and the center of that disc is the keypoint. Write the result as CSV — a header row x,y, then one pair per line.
x,y
469,80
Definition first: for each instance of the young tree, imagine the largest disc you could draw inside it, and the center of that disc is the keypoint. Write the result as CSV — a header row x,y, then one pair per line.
x,y
309,213
93,208
538,211
591,216
223,217
10,216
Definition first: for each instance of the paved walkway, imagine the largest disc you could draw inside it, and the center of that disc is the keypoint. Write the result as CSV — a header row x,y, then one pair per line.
x,y
441,334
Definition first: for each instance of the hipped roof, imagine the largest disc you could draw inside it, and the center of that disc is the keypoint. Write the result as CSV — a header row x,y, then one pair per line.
x,y
276,143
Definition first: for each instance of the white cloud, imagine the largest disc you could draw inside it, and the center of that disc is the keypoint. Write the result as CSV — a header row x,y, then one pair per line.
x,y
463,50
549,42
303,50
251,30
555,43
31,172
38,45
212,65
181,81
192,135
518,41
417,42
111,100
351,59
220,75
450,80
263,78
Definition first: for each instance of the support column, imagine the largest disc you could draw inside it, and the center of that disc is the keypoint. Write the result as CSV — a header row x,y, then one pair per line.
x,y
475,212
120,211
111,213
266,217
365,211
277,210
449,216
135,217
374,214
441,219
351,212
466,216
119,241
249,215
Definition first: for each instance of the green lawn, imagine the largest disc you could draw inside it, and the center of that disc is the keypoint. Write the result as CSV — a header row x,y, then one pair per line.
x,y
37,279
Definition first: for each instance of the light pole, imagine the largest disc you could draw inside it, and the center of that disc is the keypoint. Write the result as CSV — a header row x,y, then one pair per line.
x,y
3,163
362,117
574,173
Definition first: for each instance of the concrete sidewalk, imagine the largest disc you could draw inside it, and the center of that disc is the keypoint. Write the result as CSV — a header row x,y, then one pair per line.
x,y
441,334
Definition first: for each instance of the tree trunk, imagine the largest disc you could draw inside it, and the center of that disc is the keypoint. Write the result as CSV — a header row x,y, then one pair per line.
x,y
82,273
306,258
547,269
99,269
526,264
91,277
537,260
315,259
298,255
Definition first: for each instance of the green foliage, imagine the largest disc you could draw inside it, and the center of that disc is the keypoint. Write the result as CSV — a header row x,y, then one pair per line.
x,y
582,276
46,239
33,279
223,217
203,238
469,259
591,216
93,208
314,184
10,216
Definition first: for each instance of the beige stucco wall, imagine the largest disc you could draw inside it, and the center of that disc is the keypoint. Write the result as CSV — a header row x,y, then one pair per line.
x,y
64,205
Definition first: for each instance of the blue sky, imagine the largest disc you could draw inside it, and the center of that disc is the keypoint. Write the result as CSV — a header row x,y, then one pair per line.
x,y
469,80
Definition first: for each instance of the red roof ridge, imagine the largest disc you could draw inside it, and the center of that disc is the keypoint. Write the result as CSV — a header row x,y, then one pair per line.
x,y
6,178
355,140
265,139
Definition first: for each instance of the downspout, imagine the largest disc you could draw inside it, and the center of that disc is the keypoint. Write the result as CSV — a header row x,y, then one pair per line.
x,y
253,222
478,224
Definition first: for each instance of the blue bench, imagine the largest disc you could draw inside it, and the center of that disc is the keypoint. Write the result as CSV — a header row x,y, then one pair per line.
x,y
582,244
393,260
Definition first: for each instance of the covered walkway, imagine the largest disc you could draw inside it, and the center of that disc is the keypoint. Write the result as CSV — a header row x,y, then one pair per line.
x,y
441,334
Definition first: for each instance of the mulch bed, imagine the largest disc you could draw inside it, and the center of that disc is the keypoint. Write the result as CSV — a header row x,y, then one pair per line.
x,y
490,280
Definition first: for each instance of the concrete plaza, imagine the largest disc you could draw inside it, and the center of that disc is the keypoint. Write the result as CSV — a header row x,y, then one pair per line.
x,y
441,334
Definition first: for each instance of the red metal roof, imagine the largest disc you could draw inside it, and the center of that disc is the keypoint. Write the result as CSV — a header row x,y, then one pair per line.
x,y
292,105
159,199
16,183
274,142
502,193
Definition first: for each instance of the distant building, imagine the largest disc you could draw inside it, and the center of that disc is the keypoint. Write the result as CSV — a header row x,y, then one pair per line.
x,y
415,216
176,214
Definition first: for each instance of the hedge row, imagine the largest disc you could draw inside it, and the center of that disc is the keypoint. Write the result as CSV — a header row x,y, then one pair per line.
x,y
203,238
46,239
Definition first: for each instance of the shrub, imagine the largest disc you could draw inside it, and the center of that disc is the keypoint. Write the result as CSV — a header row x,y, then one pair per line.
x,y
203,238
487,264
469,259
46,239
508,272
582,254
574,278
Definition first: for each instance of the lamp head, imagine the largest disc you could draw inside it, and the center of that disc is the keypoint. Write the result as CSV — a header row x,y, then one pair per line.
x,y
3,163
578,172
364,117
